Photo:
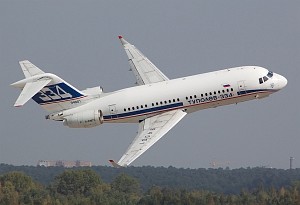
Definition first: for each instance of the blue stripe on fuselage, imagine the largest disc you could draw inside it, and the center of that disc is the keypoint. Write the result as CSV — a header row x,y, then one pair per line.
x,y
254,91
144,111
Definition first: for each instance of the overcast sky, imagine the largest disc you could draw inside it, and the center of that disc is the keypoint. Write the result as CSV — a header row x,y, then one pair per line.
x,y
77,40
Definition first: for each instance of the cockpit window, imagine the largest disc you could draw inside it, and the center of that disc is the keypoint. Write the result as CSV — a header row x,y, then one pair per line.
x,y
270,74
265,78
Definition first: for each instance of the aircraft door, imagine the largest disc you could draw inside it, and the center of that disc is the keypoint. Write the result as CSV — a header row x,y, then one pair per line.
x,y
242,87
113,111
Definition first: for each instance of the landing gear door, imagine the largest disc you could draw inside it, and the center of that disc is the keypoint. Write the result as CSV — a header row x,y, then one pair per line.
x,y
242,87
113,111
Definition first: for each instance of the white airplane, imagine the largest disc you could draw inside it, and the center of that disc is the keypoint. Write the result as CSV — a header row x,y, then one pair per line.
x,y
157,104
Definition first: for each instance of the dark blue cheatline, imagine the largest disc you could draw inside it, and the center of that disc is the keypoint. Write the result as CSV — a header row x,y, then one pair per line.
x,y
143,111
254,91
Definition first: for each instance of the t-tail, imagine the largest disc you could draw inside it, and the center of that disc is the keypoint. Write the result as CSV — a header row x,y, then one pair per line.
x,y
48,90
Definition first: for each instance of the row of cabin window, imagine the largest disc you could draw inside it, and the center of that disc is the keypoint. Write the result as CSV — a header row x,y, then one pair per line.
x,y
210,93
153,104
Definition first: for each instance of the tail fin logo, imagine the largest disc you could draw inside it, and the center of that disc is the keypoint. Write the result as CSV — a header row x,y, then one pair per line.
x,y
55,93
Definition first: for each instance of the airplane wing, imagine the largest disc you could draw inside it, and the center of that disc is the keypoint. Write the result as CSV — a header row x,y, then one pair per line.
x,y
150,131
144,70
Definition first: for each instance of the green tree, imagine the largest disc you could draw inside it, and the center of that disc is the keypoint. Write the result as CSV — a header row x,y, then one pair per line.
x,y
126,184
18,188
8,194
75,183
20,181
125,190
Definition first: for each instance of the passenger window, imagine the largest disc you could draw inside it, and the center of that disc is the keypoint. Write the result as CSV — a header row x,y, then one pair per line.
x,y
165,102
156,103
152,104
231,89
227,90
128,109
132,108
142,106
161,102
174,100
178,99
223,91
186,98
219,91
201,95
205,94
137,107
215,92
124,109
265,78
147,105
191,97
260,81
210,93
170,101
195,96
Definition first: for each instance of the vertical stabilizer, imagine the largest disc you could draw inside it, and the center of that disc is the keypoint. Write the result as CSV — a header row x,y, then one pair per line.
x,y
48,90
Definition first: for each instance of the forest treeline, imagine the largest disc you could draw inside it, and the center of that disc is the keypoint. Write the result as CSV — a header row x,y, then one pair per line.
x,y
216,180
85,186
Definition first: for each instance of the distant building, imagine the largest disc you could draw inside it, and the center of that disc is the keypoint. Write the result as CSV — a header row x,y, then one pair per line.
x,y
63,163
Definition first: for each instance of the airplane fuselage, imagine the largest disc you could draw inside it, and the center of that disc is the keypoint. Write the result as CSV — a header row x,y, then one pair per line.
x,y
192,93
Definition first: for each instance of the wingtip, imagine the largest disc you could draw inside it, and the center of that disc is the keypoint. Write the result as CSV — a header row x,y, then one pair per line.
x,y
123,41
114,164
24,61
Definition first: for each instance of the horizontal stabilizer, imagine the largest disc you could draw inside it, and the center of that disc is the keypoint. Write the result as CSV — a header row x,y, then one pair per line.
x,y
116,165
29,90
29,69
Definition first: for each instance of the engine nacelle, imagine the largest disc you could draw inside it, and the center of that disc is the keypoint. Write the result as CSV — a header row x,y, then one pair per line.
x,y
96,91
86,119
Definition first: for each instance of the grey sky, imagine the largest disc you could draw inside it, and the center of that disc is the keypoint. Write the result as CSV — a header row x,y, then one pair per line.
x,y
77,40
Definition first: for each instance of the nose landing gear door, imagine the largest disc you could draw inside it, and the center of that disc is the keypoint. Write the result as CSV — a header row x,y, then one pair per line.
x,y
113,111
242,87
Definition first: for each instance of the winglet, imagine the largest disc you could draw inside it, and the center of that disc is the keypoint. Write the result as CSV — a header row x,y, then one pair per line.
x,y
123,41
114,164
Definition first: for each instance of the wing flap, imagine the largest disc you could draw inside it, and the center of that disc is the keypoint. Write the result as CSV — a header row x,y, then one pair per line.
x,y
150,131
29,90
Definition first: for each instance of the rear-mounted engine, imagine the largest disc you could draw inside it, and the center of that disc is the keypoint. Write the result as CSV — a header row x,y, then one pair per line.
x,y
86,119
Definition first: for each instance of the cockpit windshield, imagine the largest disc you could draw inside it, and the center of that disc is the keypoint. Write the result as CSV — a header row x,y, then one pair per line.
x,y
265,78
270,74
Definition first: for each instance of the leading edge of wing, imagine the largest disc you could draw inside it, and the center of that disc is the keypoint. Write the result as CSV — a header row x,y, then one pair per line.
x,y
150,131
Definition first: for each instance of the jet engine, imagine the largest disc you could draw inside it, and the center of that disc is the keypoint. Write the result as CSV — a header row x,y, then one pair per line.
x,y
86,119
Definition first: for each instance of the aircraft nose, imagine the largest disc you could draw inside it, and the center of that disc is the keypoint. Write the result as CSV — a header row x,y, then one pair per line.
x,y
282,81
